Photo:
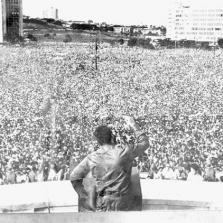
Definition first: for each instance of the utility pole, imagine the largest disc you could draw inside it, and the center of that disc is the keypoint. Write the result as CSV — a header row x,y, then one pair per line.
x,y
54,112
96,53
215,44
97,42
53,124
214,49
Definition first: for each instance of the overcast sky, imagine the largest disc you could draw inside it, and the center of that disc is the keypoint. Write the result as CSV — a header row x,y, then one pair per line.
x,y
112,11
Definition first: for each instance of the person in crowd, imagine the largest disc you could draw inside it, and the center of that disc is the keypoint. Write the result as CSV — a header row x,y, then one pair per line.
x,y
111,167
1,179
21,178
182,172
143,165
62,173
209,174
219,175
66,172
153,170
176,171
168,172
52,175
33,174
159,174
43,171
195,173
10,176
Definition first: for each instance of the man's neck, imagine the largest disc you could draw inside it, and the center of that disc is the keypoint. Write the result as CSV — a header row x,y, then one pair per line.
x,y
106,146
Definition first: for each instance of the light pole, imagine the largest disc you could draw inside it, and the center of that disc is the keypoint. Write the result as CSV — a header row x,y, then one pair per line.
x,y
96,52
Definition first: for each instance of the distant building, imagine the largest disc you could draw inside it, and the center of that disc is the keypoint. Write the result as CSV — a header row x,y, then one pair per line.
x,y
117,29
2,22
122,29
195,22
143,30
57,14
90,22
45,13
51,13
54,13
68,24
77,22
139,29
11,18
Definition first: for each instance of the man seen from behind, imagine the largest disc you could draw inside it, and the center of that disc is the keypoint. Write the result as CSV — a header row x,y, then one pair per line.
x,y
111,167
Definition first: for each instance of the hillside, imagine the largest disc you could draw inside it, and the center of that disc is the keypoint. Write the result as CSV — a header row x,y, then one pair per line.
x,y
38,24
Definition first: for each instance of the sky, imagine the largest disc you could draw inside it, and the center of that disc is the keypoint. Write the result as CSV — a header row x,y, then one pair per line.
x,y
126,12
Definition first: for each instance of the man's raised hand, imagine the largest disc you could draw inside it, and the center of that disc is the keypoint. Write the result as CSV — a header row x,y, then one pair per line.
x,y
130,122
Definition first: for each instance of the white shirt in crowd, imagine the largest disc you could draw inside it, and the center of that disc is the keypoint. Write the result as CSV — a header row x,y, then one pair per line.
x,y
52,175
168,173
219,175
1,181
22,178
194,177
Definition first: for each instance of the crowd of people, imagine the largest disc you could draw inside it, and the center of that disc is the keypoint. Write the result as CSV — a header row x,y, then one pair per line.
x,y
38,172
52,98
184,171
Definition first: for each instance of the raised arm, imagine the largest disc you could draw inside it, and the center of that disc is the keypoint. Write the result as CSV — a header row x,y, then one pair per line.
x,y
142,141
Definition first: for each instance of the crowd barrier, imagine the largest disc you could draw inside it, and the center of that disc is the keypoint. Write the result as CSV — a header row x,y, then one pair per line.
x,y
118,217
181,195
59,196
45,197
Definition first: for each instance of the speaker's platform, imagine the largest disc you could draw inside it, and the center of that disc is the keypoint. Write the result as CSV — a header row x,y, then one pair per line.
x,y
118,217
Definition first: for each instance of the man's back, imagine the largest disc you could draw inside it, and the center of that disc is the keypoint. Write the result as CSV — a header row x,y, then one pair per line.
x,y
111,168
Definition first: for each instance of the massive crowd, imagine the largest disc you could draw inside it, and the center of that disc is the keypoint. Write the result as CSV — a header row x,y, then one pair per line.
x,y
52,98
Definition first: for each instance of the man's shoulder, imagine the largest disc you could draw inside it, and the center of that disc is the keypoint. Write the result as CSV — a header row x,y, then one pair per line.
x,y
118,149
94,153
124,149
124,146
93,156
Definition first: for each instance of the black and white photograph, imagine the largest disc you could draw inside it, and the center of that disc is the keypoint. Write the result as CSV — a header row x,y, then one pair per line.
x,y
111,111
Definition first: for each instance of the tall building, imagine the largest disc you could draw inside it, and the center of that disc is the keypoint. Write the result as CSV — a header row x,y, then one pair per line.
x,y
11,18
45,13
14,17
56,14
1,22
195,22
52,13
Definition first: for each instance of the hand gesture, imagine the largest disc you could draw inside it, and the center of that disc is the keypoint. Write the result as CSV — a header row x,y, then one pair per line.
x,y
130,122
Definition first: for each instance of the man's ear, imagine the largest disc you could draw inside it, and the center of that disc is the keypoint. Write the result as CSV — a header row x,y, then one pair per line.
x,y
113,139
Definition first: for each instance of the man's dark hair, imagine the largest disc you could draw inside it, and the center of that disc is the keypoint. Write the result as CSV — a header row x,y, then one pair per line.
x,y
103,135
196,167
